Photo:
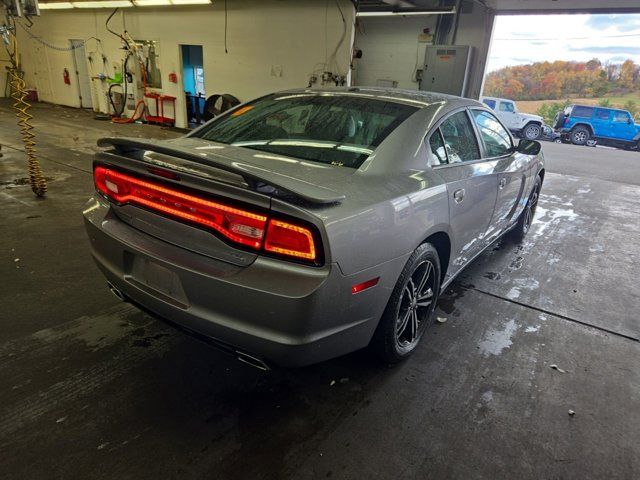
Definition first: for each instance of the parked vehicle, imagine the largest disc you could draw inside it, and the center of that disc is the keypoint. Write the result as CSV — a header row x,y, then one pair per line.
x,y
310,223
521,124
550,135
585,125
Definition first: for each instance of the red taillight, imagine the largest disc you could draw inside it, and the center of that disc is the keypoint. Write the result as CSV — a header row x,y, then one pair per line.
x,y
291,240
237,225
240,226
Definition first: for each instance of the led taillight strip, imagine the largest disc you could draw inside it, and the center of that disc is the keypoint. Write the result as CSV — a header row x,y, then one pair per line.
x,y
240,226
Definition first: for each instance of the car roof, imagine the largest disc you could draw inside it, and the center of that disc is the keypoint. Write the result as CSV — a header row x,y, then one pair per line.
x,y
598,106
417,98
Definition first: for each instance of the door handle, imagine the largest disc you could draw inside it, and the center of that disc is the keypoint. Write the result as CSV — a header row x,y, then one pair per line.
x,y
503,182
458,195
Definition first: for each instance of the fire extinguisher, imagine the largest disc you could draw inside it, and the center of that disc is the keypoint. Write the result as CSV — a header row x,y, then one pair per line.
x,y
66,77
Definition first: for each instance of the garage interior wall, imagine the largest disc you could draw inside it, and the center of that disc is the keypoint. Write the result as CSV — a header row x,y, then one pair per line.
x,y
390,48
272,45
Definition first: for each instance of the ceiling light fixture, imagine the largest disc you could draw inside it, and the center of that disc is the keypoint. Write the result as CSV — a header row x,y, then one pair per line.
x,y
407,13
150,3
104,4
55,5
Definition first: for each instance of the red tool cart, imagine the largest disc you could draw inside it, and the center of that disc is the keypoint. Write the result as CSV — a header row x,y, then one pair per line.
x,y
158,114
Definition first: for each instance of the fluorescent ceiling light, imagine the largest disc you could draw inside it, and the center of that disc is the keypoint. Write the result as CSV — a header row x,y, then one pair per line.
x,y
105,4
190,2
55,5
145,3
403,14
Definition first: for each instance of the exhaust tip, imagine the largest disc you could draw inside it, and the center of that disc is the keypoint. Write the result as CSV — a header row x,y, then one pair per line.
x,y
253,361
113,289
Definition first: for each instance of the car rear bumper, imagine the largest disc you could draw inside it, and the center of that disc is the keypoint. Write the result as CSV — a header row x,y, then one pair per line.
x,y
278,311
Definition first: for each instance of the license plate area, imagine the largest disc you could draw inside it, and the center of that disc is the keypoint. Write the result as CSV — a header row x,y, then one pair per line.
x,y
155,279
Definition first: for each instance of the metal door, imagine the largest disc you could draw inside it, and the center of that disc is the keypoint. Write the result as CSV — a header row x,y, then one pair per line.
x,y
510,169
82,73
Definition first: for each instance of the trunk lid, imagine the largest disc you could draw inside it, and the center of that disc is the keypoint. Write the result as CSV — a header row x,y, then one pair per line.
x,y
234,176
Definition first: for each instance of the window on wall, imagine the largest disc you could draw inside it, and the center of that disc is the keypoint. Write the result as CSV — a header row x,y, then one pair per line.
x,y
198,73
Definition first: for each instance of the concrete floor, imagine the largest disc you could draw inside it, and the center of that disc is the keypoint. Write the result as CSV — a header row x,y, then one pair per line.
x,y
92,388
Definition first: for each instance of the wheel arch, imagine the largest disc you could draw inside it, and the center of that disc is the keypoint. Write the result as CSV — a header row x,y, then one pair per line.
x,y
442,243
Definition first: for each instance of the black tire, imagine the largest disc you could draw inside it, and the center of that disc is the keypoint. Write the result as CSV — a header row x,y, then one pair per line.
x,y
580,135
526,217
410,307
532,131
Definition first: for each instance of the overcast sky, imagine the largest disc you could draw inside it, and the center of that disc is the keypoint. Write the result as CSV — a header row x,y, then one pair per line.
x,y
519,40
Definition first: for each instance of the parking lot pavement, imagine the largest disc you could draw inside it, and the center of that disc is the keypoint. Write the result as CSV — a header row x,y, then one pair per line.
x,y
93,388
603,163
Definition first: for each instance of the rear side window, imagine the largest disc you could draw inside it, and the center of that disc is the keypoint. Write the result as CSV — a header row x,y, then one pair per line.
x,y
582,112
602,114
507,107
497,140
490,103
459,138
436,145
621,117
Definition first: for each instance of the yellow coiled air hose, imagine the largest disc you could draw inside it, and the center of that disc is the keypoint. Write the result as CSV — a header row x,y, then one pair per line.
x,y
19,95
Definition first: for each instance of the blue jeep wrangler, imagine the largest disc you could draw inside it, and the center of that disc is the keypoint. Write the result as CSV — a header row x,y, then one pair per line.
x,y
582,124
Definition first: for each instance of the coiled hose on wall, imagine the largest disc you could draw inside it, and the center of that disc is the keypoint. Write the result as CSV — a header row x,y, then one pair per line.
x,y
21,106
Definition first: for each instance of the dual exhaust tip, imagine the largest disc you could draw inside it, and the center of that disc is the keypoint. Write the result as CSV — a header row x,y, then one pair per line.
x,y
241,356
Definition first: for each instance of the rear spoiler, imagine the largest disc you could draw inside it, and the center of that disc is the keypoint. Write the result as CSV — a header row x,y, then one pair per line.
x,y
252,174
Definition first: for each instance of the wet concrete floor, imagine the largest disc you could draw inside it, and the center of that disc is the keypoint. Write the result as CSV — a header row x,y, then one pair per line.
x,y
93,388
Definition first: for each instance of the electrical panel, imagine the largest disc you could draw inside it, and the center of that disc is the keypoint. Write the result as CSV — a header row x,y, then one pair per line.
x,y
446,69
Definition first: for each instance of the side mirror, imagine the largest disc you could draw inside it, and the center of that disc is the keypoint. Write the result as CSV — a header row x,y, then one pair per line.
x,y
528,147
630,121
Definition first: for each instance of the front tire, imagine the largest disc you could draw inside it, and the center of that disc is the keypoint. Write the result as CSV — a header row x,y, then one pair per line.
x,y
580,135
532,131
410,309
526,217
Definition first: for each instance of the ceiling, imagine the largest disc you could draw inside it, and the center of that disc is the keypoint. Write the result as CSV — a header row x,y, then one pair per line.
x,y
510,6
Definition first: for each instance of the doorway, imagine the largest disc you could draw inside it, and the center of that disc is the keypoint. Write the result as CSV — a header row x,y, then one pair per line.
x,y
193,83
82,73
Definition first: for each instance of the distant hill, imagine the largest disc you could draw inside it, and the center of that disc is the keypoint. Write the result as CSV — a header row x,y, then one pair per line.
x,y
560,80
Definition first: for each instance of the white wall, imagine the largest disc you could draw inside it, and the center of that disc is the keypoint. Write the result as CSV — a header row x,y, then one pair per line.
x,y
390,49
264,36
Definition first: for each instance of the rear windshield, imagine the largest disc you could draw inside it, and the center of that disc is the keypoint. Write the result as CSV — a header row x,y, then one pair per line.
x,y
582,112
327,128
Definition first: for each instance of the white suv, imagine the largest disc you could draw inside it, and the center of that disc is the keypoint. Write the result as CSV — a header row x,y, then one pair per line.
x,y
522,124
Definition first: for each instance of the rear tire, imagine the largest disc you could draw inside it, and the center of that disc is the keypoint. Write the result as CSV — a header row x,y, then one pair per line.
x,y
410,309
526,217
580,135
532,131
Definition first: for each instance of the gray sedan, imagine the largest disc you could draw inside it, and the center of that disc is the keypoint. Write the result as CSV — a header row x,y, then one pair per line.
x,y
310,223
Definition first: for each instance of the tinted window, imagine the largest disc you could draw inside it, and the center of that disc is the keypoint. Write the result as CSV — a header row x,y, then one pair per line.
x,y
336,129
602,114
623,117
497,140
582,112
438,151
490,103
507,107
459,138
